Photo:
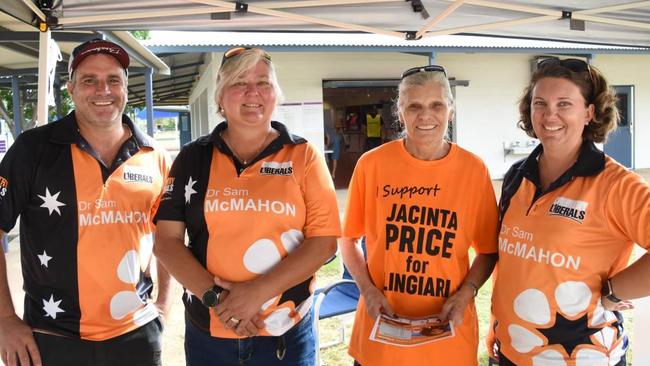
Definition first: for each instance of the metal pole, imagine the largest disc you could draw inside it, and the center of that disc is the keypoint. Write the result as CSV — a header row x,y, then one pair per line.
x,y
43,52
148,88
18,117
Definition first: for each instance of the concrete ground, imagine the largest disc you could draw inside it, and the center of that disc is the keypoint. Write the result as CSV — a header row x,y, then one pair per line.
x,y
173,352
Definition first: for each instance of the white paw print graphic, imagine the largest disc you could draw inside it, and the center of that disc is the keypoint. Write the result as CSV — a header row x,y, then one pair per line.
x,y
572,299
259,258
128,271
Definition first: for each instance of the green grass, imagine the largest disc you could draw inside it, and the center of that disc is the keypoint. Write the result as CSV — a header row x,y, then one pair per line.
x,y
338,356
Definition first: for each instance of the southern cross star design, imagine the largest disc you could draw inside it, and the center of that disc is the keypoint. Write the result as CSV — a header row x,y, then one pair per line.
x,y
188,295
44,258
51,307
569,333
189,190
51,202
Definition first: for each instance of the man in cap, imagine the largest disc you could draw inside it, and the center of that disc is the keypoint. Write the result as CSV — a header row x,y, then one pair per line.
x,y
86,188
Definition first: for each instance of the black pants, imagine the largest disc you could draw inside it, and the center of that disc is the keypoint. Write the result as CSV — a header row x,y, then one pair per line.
x,y
503,361
140,347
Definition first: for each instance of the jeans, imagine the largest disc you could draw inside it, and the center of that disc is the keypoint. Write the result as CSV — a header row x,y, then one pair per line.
x,y
201,349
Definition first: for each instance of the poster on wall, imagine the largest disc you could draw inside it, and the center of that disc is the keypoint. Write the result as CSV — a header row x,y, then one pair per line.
x,y
303,119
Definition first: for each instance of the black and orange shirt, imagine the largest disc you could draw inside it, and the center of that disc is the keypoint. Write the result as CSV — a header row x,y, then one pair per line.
x,y
243,220
420,219
85,229
556,249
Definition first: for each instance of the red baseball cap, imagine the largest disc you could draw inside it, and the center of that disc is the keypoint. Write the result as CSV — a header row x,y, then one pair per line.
x,y
97,46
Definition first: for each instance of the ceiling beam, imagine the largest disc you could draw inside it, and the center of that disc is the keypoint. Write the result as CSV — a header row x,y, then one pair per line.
x,y
303,18
607,9
445,13
35,9
480,27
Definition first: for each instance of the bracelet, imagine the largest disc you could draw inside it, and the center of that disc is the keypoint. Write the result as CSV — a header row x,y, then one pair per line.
x,y
474,287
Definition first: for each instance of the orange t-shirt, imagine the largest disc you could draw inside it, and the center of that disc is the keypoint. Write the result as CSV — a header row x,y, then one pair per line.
x,y
420,219
554,255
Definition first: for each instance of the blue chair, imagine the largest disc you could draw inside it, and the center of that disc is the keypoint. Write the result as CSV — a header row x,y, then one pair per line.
x,y
338,298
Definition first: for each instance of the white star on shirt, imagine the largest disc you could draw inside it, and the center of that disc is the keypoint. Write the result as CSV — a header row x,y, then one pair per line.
x,y
189,190
51,201
44,258
51,307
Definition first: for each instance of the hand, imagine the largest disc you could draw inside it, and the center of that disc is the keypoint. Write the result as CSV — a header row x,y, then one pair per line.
x,y
248,328
454,308
376,302
17,344
616,306
163,308
241,301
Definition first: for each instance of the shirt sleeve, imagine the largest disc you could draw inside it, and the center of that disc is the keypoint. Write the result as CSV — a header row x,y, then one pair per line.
x,y
172,201
354,217
165,162
320,198
15,172
486,228
628,208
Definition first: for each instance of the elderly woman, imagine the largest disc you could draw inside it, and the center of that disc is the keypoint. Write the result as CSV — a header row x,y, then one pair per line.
x,y
421,202
260,211
570,217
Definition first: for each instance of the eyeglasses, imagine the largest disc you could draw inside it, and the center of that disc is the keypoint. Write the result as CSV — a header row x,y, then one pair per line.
x,y
428,68
573,64
234,52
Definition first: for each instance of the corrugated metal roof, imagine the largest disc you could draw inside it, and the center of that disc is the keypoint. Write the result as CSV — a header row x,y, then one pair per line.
x,y
217,39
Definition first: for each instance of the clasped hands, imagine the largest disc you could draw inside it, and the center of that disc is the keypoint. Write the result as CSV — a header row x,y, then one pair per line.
x,y
239,307
453,309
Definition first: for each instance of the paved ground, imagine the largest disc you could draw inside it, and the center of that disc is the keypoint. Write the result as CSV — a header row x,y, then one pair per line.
x,y
173,336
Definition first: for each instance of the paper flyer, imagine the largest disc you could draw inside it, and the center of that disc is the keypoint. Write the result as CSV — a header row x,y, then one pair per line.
x,y
405,332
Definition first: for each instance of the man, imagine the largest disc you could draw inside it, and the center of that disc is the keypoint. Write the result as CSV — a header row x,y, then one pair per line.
x,y
373,128
86,188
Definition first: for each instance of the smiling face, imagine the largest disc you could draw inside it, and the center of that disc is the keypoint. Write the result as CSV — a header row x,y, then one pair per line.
x,y
250,98
559,113
98,91
425,113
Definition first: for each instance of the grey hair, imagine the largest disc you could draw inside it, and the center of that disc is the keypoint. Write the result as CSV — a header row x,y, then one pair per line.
x,y
235,67
420,79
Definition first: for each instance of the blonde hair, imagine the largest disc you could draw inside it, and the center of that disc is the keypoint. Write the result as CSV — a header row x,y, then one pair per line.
x,y
233,67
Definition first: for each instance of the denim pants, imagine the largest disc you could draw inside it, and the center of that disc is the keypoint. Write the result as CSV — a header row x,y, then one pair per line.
x,y
201,349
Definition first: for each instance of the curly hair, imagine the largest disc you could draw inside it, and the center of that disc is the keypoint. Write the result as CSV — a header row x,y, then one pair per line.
x,y
593,87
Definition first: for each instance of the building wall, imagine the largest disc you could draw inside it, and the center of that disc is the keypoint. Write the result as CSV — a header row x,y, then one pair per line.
x,y
487,111
632,70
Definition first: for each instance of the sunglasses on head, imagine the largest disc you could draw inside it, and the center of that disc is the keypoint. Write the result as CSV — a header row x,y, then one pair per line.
x,y
428,68
234,52
572,64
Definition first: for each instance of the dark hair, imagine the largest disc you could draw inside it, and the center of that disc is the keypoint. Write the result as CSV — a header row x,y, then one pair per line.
x,y
593,87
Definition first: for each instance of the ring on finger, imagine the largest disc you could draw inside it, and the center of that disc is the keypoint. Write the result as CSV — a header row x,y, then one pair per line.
x,y
234,320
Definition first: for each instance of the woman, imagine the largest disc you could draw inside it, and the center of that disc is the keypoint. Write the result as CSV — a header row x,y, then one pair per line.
x,y
570,217
260,211
421,202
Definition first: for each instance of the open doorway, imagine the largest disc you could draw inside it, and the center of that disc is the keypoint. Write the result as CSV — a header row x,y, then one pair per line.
x,y
358,117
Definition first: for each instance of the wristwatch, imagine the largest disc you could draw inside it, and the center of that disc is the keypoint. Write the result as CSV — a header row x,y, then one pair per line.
x,y
608,291
210,297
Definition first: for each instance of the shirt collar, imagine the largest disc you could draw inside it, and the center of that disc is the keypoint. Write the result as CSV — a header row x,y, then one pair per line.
x,y
285,138
591,161
66,131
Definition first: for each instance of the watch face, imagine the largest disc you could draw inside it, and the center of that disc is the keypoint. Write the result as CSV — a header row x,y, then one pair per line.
x,y
210,298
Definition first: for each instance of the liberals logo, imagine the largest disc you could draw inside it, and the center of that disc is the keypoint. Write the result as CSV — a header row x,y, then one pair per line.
x,y
276,168
574,210
4,185
137,174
